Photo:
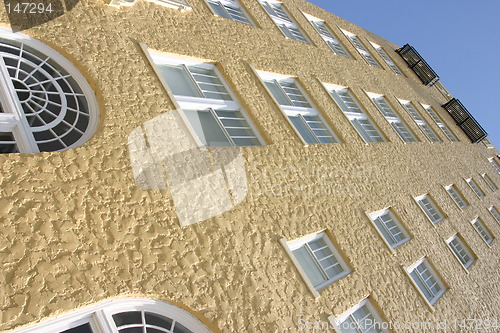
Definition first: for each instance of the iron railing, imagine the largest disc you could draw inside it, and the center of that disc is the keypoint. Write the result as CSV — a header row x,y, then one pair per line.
x,y
418,65
465,120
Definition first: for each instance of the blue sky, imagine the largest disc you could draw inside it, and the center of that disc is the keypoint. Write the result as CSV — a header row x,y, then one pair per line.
x,y
459,39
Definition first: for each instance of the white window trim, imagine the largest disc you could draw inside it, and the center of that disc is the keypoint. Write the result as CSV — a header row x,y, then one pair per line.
x,y
421,123
459,193
99,316
472,183
336,322
434,205
231,3
155,57
466,248
372,216
497,217
332,39
363,50
441,124
494,163
388,60
490,182
182,5
441,282
487,230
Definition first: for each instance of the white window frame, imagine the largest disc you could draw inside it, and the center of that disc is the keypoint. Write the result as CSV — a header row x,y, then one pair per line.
x,y
483,231
490,182
175,4
355,113
228,6
284,21
475,188
460,250
99,316
380,50
455,193
379,321
294,111
441,124
393,118
362,49
494,163
494,212
425,200
182,103
290,246
487,143
328,36
400,229
419,120
439,281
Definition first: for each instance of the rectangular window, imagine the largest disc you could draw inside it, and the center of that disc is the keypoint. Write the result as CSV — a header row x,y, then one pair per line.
x,y
475,188
392,118
299,110
426,280
363,318
358,45
209,106
457,196
389,227
230,9
284,21
440,123
429,208
328,36
387,59
319,259
461,250
494,164
422,124
490,183
494,212
482,230
355,113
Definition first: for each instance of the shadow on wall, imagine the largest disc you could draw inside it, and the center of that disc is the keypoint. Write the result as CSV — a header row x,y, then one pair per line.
x,y
28,14
203,182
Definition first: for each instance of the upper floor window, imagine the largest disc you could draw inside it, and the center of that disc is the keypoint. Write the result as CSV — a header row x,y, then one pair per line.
x,y
490,183
429,208
389,227
393,118
387,59
494,164
230,9
440,123
475,188
482,230
284,21
358,45
461,250
457,196
355,113
210,107
422,124
328,36
363,318
299,110
494,212
426,280
45,102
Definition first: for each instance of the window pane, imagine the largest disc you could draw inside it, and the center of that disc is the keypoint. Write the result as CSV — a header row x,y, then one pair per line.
x,y
181,329
348,326
127,318
157,320
7,143
207,128
420,284
303,129
178,81
209,83
278,93
218,9
308,264
85,328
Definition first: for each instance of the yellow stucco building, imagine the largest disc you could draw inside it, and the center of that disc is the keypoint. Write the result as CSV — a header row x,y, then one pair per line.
x,y
235,166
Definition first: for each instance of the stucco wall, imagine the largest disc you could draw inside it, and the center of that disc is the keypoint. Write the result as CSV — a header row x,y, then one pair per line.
x,y
76,229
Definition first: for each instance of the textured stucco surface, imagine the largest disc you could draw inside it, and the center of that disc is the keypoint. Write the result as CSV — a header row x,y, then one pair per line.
x,y
76,229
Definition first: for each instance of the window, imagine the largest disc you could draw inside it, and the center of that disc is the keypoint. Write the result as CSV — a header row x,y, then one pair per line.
x,y
430,208
487,143
230,9
176,4
284,21
389,228
208,105
358,45
494,212
392,118
490,183
299,110
461,250
363,318
328,36
426,280
422,124
440,123
475,188
387,59
494,164
46,104
122,315
318,258
456,196
355,113
482,230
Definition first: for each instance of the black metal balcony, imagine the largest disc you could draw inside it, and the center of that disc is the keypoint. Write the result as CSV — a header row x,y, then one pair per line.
x,y
465,120
418,64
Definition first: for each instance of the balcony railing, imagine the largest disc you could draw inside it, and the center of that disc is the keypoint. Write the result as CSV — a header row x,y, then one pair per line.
x,y
418,64
465,120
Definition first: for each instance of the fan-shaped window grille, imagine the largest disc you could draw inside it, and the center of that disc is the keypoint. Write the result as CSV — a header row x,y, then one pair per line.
x,y
46,104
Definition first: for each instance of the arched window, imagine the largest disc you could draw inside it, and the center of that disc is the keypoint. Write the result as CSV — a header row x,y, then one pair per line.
x,y
128,315
45,103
